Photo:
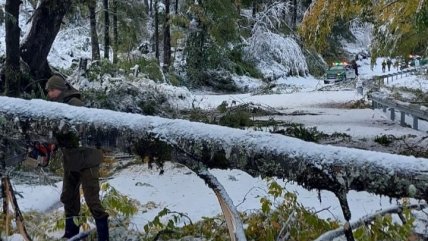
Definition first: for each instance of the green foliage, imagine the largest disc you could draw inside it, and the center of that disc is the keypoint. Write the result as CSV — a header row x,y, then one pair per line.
x,y
117,204
281,208
241,66
206,47
384,140
100,68
277,208
148,67
384,228
307,134
222,107
236,119
131,24
197,114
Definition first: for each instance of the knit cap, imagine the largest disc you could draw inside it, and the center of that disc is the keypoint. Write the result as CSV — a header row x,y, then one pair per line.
x,y
56,82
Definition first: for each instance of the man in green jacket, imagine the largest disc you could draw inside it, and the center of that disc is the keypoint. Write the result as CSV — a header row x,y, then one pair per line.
x,y
81,167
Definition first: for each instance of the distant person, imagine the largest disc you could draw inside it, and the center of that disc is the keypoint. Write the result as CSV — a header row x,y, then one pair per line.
x,y
383,66
389,63
397,64
417,63
354,65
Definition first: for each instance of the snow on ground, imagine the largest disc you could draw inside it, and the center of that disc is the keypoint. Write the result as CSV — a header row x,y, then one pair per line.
x,y
180,190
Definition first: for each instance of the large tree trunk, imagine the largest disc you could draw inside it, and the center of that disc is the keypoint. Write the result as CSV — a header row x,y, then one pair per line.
x,y
254,8
166,39
12,67
176,7
156,29
94,35
313,166
46,23
106,30
115,31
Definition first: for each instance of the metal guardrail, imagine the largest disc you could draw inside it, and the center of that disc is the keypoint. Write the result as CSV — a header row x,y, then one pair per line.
x,y
381,79
417,112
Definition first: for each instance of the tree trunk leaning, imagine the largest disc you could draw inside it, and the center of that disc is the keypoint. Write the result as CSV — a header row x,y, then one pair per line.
x,y
46,22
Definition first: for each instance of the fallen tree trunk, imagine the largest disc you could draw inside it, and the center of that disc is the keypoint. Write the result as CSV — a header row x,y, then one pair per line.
x,y
311,165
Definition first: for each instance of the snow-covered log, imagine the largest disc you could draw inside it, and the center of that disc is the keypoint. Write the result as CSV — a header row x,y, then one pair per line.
x,y
337,169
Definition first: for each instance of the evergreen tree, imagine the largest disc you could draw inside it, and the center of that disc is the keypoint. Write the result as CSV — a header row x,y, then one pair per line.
x,y
12,68
94,35
106,29
115,30
166,39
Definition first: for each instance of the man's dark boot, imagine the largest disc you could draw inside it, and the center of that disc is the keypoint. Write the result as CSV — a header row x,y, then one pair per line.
x,y
71,229
102,229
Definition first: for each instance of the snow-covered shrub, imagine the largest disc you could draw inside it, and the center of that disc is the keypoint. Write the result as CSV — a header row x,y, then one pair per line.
x,y
275,54
133,94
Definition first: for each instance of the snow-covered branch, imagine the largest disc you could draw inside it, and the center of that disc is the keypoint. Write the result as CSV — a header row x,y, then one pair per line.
x,y
331,235
273,52
337,169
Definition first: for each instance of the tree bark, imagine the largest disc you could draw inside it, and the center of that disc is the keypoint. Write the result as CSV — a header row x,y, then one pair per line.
x,y
311,165
94,35
294,15
12,67
46,23
106,30
254,7
166,39
156,30
230,212
115,31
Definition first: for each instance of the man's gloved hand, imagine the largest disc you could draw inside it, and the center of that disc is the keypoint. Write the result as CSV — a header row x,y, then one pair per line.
x,y
42,152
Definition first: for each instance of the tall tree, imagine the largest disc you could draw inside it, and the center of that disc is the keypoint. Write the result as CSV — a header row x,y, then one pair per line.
x,y
156,30
293,11
166,38
106,30
115,30
176,7
46,22
254,7
146,3
12,68
94,36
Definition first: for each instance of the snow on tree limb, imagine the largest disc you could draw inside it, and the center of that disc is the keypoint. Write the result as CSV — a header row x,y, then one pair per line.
x,y
330,235
337,169
270,49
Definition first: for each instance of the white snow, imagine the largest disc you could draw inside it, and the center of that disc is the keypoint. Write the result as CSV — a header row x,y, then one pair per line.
x,y
181,190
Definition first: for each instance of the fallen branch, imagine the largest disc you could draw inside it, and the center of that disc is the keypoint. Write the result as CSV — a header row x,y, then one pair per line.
x,y
311,165
231,215
330,235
